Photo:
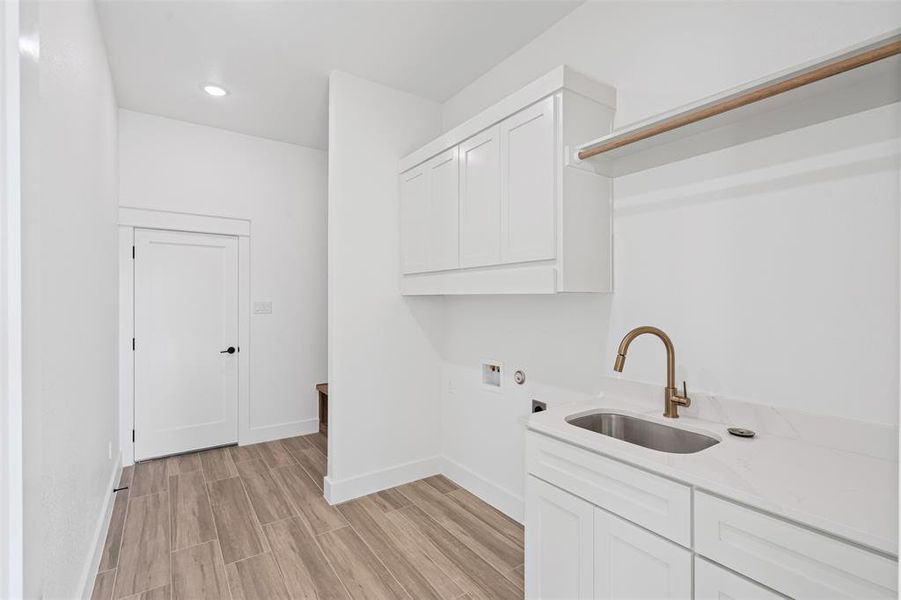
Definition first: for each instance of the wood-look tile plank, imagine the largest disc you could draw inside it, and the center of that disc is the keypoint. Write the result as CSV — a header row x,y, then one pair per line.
x,y
103,585
306,571
256,578
183,463
127,476
144,558
217,464
490,515
295,444
242,453
198,573
362,573
239,533
417,541
265,494
318,441
312,461
518,576
150,477
275,455
433,565
369,522
390,499
493,546
307,499
476,569
191,514
110,557
441,483
160,593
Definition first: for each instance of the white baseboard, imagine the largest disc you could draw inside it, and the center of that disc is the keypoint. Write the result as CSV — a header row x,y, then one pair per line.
x,y
510,504
376,481
255,435
86,584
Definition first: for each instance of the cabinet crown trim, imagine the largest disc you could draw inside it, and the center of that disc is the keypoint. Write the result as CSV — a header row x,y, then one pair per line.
x,y
562,77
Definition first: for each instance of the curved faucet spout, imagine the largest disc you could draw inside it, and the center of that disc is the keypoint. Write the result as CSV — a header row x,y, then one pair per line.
x,y
672,398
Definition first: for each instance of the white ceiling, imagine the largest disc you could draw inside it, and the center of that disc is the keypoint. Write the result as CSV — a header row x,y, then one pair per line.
x,y
274,57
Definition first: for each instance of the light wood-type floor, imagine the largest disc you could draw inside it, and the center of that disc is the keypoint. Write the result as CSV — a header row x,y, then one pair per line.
x,y
251,522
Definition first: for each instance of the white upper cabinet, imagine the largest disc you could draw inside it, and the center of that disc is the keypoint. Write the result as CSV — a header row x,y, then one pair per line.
x,y
443,245
528,195
526,222
480,200
414,216
429,215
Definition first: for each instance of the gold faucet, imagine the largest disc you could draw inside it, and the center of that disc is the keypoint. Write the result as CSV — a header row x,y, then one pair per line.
x,y
672,399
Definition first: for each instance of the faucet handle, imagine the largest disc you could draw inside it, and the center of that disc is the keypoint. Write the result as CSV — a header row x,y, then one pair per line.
x,y
685,399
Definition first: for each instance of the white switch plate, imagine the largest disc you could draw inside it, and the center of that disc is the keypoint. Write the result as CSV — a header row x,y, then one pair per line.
x,y
262,308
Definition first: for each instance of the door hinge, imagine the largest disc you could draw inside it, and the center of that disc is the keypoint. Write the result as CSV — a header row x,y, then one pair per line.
x,y
132,435
132,344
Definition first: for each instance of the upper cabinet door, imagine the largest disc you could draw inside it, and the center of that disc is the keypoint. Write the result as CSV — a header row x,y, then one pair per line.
x,y
528,184
559,549
444,234
415,220
631,562
480,203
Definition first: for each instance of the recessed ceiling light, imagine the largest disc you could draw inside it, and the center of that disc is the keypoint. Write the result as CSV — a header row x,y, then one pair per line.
x,y
215,90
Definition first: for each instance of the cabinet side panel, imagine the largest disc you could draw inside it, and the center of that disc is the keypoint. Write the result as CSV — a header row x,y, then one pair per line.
x,y
587,236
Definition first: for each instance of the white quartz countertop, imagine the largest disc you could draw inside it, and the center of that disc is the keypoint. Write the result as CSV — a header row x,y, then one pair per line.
x,y
805,478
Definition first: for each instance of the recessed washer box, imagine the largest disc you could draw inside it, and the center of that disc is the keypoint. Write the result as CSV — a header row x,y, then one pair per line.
x,y
492,375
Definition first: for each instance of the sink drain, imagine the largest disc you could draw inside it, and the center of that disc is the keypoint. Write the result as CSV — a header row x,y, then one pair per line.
x,y
739,432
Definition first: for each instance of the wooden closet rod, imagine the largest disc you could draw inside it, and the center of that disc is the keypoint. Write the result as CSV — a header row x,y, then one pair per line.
x,y
863,57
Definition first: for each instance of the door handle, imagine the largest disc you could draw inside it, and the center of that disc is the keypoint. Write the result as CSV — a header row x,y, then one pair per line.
x,y
229,350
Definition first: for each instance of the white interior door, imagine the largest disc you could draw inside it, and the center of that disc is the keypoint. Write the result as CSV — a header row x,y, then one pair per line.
x,y
186,321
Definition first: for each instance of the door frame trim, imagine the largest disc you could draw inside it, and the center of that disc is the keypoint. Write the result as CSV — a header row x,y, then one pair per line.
x,y
141,218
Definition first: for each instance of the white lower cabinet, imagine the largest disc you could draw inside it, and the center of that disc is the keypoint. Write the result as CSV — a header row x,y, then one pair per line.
x,y
559,543
789,558
631,562
575,550
600,528
713,582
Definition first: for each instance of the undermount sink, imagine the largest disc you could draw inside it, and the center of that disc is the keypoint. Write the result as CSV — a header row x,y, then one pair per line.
x,y
644,433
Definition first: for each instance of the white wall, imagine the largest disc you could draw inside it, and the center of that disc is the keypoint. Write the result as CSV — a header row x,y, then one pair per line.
x,y
773,264
383,364
663,54
10,308
69,299
281,188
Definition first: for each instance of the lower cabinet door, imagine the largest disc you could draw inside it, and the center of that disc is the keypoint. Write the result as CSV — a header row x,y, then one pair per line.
x,y
713,582
631,562
559,545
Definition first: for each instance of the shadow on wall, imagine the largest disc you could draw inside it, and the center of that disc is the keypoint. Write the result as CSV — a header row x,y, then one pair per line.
x,y
428,311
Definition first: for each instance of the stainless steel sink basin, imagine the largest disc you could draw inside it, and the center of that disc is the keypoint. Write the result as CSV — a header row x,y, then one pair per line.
x,y
644,433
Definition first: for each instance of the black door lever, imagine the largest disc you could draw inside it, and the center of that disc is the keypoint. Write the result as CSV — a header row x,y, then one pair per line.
x,y
229,350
